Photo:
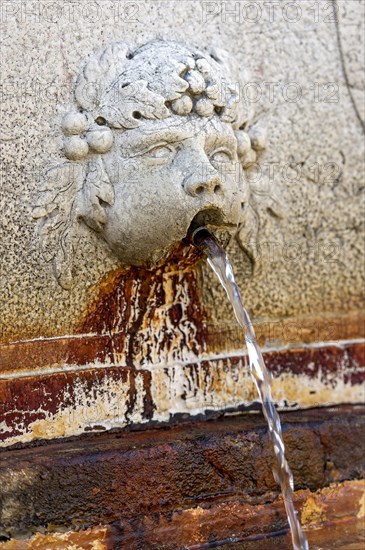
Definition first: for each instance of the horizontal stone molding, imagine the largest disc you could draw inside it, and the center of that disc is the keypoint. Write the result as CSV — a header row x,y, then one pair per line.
x,y
190,484
69,402
28,357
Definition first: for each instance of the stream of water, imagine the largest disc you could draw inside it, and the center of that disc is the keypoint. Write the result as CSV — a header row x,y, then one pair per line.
x,y
220,264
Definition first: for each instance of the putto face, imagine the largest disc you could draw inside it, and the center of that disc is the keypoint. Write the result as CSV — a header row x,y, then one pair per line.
x,y
163,178
162,136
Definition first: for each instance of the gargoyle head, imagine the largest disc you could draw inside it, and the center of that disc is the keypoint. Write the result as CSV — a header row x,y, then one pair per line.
x,y
158,141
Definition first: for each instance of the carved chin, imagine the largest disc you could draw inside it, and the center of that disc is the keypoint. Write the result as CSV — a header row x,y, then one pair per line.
x,y
154,248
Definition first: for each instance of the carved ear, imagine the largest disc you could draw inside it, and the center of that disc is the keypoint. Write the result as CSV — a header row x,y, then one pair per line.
x,y
248,233
57,211
247,236
97,193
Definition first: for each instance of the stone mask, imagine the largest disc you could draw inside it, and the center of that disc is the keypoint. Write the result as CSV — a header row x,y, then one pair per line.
x,y
157,143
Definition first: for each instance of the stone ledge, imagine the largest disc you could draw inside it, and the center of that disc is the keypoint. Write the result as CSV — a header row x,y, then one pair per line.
x,y
52,354
332,517
127,476
70,402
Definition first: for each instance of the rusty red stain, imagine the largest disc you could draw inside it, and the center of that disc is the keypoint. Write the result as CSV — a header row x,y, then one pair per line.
x,y
82,349
26,399
153,474
127,308
334,522
327,363
137,316
37,354
113,325
29,399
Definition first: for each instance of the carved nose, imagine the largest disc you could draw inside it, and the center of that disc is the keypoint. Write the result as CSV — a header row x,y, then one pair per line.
x,y
199,183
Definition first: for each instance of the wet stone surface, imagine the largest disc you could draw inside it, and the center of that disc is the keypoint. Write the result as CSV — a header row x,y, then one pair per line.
x,y
111,477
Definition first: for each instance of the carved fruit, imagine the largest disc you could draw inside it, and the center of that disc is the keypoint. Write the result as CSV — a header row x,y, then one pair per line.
x,y
203,66
182,106
243,143
100,140
190,62
74,123
258,137
196,82
75,148
249,158
212,91
204,107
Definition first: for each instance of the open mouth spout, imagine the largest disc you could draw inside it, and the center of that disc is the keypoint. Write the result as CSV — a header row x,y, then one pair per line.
x,y
211,221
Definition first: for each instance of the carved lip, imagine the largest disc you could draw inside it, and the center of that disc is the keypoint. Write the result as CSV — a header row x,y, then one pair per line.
x,y
184,251
213,220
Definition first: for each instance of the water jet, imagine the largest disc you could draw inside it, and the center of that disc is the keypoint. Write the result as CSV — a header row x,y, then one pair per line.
x,y
124,385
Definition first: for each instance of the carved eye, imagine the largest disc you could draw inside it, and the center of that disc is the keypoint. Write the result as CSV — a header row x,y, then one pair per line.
x,y
159,152
221,155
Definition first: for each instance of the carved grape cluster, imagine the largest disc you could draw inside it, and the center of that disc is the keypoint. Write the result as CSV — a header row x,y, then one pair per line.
x,y
203,95
250,143
81,137
200,96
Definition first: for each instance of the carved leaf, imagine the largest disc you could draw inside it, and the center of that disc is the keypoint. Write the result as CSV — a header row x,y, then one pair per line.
x,y
120,105
267,196
259,205
247,235
57,213
99,72
97,190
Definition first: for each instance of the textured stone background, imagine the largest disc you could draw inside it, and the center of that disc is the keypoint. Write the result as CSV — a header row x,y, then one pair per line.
x,y
311,259
309,291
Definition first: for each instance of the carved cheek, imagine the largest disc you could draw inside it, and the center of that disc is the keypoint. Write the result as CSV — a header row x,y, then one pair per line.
x,y
243,184
119,168
234,178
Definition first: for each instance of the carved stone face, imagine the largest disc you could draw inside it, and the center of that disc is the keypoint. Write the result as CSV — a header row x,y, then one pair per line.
x,y
156,145
164,175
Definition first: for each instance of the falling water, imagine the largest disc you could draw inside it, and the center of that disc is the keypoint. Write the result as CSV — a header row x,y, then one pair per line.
x,y
220,264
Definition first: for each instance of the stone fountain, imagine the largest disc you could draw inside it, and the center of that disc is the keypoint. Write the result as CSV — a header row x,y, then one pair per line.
x,y
123,379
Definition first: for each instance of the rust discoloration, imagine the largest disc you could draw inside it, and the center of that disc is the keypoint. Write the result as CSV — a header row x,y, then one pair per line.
x,y
296,331
317,327
56,405
98,538
253,527
118,476
137,316
117,290
66,403
150,316
112,310
52,353
322,362
142,317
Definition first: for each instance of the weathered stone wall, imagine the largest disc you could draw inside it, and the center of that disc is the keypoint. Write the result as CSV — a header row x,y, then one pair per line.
x,y
311,259
191,485
307,84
